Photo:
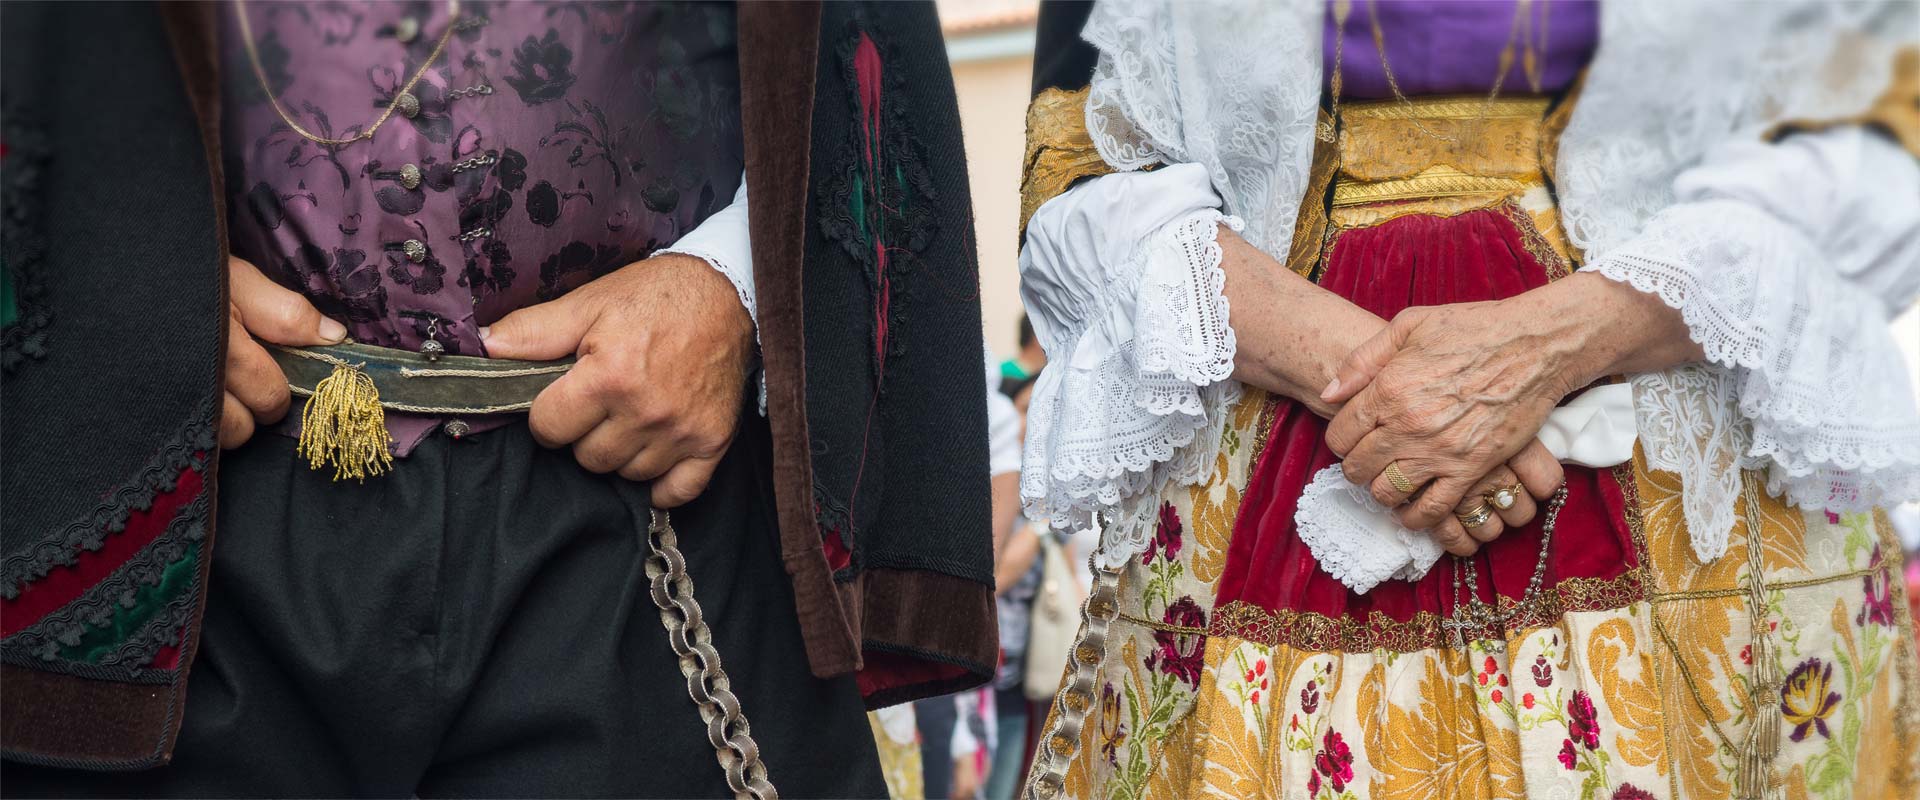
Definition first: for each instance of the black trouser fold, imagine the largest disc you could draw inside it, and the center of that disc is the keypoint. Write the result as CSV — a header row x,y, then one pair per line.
x,y
477,623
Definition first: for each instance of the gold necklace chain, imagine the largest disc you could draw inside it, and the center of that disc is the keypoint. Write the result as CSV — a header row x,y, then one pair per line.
x,y
1534,59
1343,10
406,91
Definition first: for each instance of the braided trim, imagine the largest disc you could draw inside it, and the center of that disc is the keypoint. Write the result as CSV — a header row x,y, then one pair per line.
x,y
191,449
707,683
65,626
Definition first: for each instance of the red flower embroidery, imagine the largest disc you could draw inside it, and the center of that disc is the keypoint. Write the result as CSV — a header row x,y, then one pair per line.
x,y
1567,757
1180,654
1584,722
1877,608
1496,695
1542,672
1334,761
1166,537
1526,700
1628,791
1310,697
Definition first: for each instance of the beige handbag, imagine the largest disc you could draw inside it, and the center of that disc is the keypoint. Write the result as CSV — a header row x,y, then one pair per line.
x,y
1056,617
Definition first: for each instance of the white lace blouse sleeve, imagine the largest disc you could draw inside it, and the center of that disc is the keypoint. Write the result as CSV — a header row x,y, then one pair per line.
x,y
1121,278
722,241
1786,260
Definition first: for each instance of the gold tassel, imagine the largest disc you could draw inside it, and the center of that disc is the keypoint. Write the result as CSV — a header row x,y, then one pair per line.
x,y
344,425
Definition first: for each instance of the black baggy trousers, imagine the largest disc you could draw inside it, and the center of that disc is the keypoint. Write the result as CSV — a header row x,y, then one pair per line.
x,y
477,623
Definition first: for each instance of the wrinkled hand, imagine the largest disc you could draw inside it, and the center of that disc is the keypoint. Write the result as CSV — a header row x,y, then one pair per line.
x,y
1450,393
256,389
664,346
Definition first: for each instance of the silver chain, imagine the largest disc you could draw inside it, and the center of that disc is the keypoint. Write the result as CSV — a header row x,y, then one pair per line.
x,y
470,91
1472,614
471,163
707,683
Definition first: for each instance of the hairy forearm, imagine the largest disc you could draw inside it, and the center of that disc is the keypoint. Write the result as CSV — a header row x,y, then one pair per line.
x,y
1290,334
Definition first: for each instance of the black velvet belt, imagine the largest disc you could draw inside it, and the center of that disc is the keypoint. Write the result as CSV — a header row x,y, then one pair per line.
x,y
350,387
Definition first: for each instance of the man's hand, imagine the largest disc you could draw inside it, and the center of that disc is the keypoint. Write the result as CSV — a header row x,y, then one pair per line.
x,y
663,346
256,389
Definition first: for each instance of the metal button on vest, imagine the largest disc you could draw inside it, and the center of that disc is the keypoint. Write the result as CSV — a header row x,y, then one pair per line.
x,y
407,29
410,177
407,105
416,250
457,428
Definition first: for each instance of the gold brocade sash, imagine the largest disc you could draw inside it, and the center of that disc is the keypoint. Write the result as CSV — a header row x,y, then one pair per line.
x,y
1443,156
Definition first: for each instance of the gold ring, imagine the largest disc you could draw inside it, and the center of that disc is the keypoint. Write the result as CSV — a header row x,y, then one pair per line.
x,y
1475,517
1399,481
1503,497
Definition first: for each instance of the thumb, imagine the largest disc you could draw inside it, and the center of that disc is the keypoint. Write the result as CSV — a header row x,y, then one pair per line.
x,y
275,313
540,332
1360,366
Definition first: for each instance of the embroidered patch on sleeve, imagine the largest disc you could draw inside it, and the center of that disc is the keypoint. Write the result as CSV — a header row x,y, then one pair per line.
x,y
878,205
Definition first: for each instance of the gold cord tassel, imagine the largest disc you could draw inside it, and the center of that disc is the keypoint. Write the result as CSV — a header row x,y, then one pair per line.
x,y
343,424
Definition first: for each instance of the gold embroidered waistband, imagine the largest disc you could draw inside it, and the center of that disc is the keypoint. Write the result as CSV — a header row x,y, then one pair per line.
x,y
1460,107
1439,181
1439,147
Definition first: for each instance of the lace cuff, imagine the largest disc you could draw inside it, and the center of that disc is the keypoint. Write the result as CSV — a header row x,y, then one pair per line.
x,y
1784,262
1140,353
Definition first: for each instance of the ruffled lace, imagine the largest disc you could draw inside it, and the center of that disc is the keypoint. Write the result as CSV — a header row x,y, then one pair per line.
x,y
1805,380
1234,87
1104,437
1354,538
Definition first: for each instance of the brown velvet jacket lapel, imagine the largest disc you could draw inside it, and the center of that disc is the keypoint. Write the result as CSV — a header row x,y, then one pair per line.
x,y
778,59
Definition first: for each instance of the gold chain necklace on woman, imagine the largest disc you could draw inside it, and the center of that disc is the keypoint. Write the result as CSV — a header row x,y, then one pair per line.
x,y
402,101
1522,17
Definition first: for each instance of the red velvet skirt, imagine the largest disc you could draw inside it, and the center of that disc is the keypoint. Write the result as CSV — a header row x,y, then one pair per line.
x,y
1419,260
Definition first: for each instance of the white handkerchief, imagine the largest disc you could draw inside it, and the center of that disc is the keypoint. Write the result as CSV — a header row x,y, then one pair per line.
x,y
1358,542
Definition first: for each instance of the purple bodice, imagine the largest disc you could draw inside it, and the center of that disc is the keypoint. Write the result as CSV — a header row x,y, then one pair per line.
x,y
1453,46
553,143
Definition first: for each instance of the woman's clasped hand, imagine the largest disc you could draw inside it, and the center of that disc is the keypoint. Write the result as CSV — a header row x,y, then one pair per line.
x,y
1439,410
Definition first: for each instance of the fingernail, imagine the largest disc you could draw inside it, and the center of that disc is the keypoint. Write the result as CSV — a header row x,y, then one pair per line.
x,y
1332,386
332,331
485,331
